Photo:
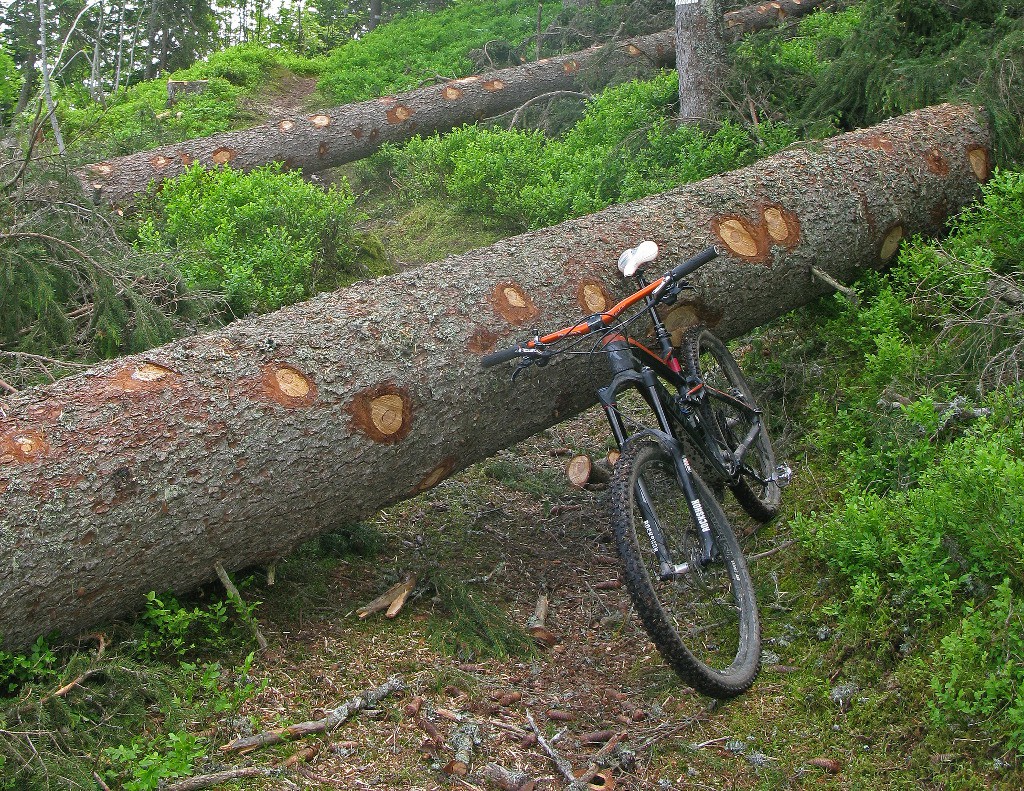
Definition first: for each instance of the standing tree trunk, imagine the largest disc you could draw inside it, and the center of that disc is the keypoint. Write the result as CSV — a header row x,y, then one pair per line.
x,y
134,43
374,15
95,77
119,58
700,58
152,22
44,66
28,85
142,473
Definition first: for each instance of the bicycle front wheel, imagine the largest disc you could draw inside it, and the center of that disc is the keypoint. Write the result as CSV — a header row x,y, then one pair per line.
x,y
706,357
703,621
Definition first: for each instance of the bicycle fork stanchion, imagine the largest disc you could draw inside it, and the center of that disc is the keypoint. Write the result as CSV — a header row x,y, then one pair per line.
x,y
644,380
683,473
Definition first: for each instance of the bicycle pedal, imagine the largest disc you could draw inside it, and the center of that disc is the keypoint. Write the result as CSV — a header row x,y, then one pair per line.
x,y
783,475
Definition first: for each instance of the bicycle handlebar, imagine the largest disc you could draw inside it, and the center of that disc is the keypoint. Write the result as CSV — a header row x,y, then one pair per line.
x,y
693,264
499,357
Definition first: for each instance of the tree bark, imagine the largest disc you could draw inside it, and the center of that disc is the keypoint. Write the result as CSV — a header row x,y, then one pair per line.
x,y
333,137
700,58
343,134
142,473
374,15
762,16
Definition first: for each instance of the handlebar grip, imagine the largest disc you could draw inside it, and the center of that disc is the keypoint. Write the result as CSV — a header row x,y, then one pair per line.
x,y
693,264
499,357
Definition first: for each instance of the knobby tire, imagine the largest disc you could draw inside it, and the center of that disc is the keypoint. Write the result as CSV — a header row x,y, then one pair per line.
x,y
707,357
704,624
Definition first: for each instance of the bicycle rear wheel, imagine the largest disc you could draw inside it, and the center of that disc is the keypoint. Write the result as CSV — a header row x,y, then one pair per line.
x,y
756,490
704,622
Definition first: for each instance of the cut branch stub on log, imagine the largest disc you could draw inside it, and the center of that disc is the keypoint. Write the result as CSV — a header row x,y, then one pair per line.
x,y
334,136
139,474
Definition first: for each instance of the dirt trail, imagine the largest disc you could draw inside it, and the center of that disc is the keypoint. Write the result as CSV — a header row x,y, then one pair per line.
x,y
288,96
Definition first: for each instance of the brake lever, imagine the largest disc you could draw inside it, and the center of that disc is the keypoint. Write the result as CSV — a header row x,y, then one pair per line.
x,y
525,363
533,357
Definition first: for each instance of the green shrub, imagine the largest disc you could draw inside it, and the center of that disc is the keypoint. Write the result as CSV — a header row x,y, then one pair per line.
x,y
979,668
625,147
915,53
927,534
17,669
249,65
931,547
10,85
263,239
166,628
148,760
136,118
407,51
72,289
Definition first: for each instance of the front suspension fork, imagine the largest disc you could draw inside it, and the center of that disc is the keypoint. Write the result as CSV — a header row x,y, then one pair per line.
x,y
667,568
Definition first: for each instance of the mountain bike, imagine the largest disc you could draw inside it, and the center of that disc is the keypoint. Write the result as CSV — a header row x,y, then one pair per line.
x,y
681,561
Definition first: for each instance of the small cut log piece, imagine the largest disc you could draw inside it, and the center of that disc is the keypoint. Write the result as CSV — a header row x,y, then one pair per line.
x,y
462,742
536,624
583,471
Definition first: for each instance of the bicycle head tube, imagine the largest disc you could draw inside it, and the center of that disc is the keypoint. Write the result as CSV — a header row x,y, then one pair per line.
x,y
620,356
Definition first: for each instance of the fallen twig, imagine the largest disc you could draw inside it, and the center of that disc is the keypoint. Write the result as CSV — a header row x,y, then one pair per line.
x,y
594,767
487,577
59,693
239,602
508,779
99,781
831,282
551,95
333,719
391,600
200,782
561,763
301,756
772,551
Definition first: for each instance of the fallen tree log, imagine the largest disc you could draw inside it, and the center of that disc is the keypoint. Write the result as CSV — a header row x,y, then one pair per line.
x,y
762,16
142,473
329,138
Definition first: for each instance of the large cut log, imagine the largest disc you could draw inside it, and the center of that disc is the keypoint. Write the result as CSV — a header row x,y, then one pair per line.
x,y
142,473
328,138
762,16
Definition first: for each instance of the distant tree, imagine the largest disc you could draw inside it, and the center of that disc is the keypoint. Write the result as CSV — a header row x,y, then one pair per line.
x,y
178,33
10,83
19,23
